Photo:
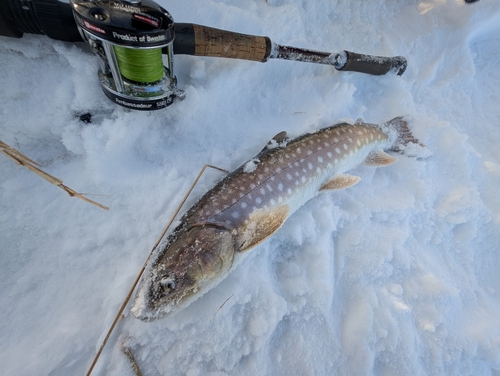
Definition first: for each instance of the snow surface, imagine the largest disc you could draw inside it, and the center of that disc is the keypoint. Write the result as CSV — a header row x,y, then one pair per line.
x,y
398,275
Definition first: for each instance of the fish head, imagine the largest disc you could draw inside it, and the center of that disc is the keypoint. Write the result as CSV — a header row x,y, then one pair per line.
x,y
187,268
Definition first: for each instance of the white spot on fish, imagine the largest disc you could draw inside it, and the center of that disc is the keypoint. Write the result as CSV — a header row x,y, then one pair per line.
x,y
320,160
243,205
289,177
235,214
258,200
345,146
289,191
303,179
263,191
329,154
337,150
310,166
269,188
273,202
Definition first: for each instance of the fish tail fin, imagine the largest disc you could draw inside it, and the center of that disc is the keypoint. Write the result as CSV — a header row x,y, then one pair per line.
x,y
403,140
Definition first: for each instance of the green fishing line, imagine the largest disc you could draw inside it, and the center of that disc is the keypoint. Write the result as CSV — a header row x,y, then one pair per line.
x,y
140,65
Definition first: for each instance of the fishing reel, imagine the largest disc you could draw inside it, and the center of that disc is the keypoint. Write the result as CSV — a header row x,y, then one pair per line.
x,y
135,40
130,38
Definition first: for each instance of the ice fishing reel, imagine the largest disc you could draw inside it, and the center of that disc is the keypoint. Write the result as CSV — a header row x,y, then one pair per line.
x,y
130,38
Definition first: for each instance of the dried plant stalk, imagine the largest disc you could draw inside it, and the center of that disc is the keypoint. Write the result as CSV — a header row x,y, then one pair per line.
x,y
133,362
31,165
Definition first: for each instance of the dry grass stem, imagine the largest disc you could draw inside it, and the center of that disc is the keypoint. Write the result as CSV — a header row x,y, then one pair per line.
x,y
133,362
31,165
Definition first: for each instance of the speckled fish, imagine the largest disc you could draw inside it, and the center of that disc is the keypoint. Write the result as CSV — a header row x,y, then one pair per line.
x,y
253,202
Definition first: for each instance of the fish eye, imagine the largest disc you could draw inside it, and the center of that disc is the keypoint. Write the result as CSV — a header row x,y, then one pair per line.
x,y
168,282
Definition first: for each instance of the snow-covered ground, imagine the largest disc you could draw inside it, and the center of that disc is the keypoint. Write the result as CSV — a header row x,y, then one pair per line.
x,y
398,275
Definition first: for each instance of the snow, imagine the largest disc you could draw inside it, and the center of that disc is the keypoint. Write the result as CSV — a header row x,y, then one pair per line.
x,y
395,275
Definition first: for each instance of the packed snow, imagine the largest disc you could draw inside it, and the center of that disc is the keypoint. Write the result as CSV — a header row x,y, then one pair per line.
x,y
398,275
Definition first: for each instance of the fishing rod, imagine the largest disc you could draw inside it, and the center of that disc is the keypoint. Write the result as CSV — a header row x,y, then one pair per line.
x,y
133,39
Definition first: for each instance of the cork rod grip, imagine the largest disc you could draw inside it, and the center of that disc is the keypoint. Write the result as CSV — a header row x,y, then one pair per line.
x,y
201,40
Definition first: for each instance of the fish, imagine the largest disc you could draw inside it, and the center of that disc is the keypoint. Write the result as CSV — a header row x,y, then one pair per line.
x,y
253,202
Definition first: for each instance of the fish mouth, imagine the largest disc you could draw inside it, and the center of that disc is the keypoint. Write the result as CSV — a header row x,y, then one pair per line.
x,y
147,315
150,303
144,310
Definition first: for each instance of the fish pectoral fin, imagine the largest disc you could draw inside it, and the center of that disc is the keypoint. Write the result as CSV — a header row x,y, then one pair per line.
x,y
261,225
379,158
340,182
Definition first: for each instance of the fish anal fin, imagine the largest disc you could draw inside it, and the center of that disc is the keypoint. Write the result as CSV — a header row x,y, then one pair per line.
x,y
340,182
262,224
379,158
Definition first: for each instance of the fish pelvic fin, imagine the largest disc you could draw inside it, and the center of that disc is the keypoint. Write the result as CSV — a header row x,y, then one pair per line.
x,y
262,224
340,182
379,158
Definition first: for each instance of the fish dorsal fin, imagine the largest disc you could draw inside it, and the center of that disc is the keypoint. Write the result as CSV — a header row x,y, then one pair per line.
x,y
340,182
261,225
279,138
379,158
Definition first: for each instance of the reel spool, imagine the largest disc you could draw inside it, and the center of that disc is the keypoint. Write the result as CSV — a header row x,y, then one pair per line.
x,y
130,38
